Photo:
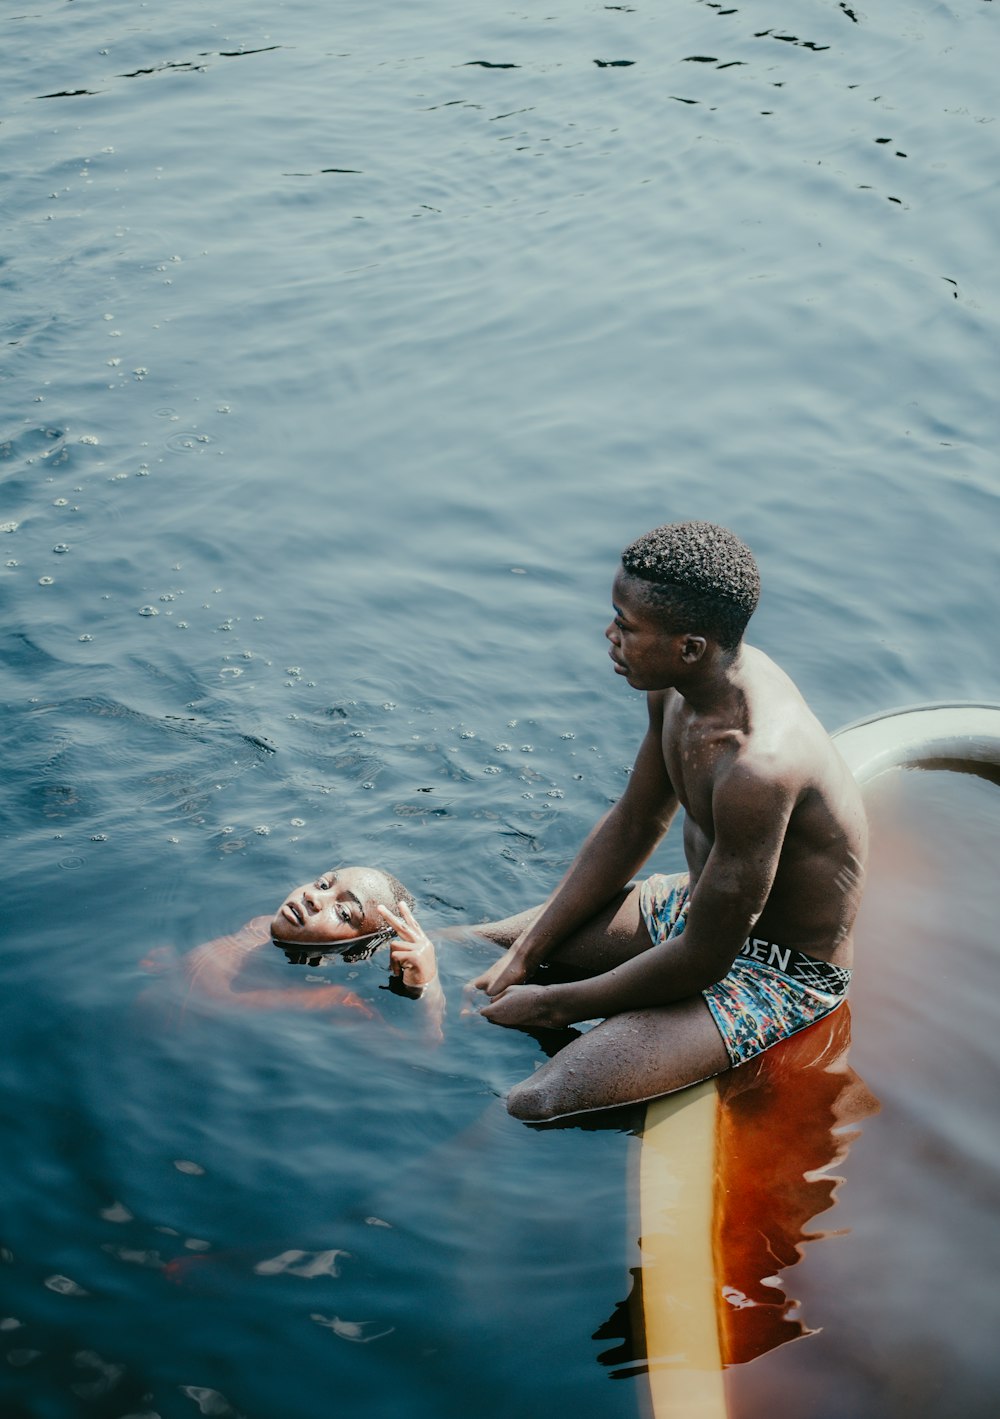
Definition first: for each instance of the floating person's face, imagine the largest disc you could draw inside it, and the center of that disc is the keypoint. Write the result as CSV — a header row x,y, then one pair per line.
x,y
338,906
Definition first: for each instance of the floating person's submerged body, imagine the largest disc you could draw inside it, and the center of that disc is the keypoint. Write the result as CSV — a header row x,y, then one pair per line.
x,y
697,973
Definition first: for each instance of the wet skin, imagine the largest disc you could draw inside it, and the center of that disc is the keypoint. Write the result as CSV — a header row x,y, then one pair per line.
x,y
338,906
775,839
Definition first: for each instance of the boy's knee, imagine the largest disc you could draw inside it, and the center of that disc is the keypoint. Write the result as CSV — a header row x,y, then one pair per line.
x,y
531,1101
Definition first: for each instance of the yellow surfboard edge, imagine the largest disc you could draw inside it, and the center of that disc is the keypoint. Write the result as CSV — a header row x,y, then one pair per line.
x,y
678,1166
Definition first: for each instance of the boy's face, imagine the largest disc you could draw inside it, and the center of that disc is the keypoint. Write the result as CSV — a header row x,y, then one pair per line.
x,y
643,650
337,906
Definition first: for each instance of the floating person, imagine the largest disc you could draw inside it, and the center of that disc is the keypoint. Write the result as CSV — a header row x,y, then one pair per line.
x,y
347,911
692,974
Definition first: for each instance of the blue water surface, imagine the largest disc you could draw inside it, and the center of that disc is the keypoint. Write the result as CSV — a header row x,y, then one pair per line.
x,y
343,350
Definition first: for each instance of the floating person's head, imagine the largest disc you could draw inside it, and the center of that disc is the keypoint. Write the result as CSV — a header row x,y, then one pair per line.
x,y
682,590
339,911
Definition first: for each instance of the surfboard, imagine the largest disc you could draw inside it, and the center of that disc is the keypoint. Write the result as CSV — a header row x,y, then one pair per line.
x,y
696,1321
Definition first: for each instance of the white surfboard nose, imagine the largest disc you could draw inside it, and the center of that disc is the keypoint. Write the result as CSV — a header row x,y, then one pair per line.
x,y
965,732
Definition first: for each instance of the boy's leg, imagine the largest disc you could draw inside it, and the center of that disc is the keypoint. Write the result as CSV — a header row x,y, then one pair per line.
x,y
627,1059
615,934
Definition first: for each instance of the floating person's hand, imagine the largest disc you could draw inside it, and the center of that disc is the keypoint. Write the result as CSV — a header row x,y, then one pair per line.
x,y
411,953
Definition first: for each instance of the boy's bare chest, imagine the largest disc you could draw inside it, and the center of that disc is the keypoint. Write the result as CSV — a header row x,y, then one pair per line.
x,y
694,758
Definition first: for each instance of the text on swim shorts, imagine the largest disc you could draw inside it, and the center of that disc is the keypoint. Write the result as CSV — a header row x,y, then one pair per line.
x,y
768,952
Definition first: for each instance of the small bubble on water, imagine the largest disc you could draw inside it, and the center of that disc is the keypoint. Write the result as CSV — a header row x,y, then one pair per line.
x,y
148,611
262,830
46,581
86,638
114,363
117,477
167,596
8,526
184,1165
527,748
98,837
502,748
491,769
61,547
61,502
20,1359
568,735
223,409
182,625
364,785
12,563
63,1286
173,840
89,439
297,822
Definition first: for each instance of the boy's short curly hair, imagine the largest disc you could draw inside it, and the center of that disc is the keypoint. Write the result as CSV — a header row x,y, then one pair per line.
x,y
700,576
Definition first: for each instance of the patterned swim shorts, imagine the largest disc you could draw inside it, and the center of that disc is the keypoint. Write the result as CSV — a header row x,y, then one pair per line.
x,y
771,991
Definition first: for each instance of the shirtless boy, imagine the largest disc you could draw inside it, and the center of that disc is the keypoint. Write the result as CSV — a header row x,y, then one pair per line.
x,y
699,972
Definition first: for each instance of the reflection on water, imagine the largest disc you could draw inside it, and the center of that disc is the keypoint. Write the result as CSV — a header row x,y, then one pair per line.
x,y
783,1124
784,1121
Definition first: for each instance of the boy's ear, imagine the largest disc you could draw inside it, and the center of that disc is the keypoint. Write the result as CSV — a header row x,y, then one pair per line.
x,y
692,649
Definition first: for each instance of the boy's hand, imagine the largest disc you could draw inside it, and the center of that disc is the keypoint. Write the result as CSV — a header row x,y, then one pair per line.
x,y
526,1007
411,953
507,971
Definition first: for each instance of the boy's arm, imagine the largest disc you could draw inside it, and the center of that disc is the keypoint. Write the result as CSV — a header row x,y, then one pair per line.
x,y
612,853
750,818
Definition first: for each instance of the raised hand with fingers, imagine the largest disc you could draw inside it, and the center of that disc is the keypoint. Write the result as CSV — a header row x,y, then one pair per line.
x,y
411,952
